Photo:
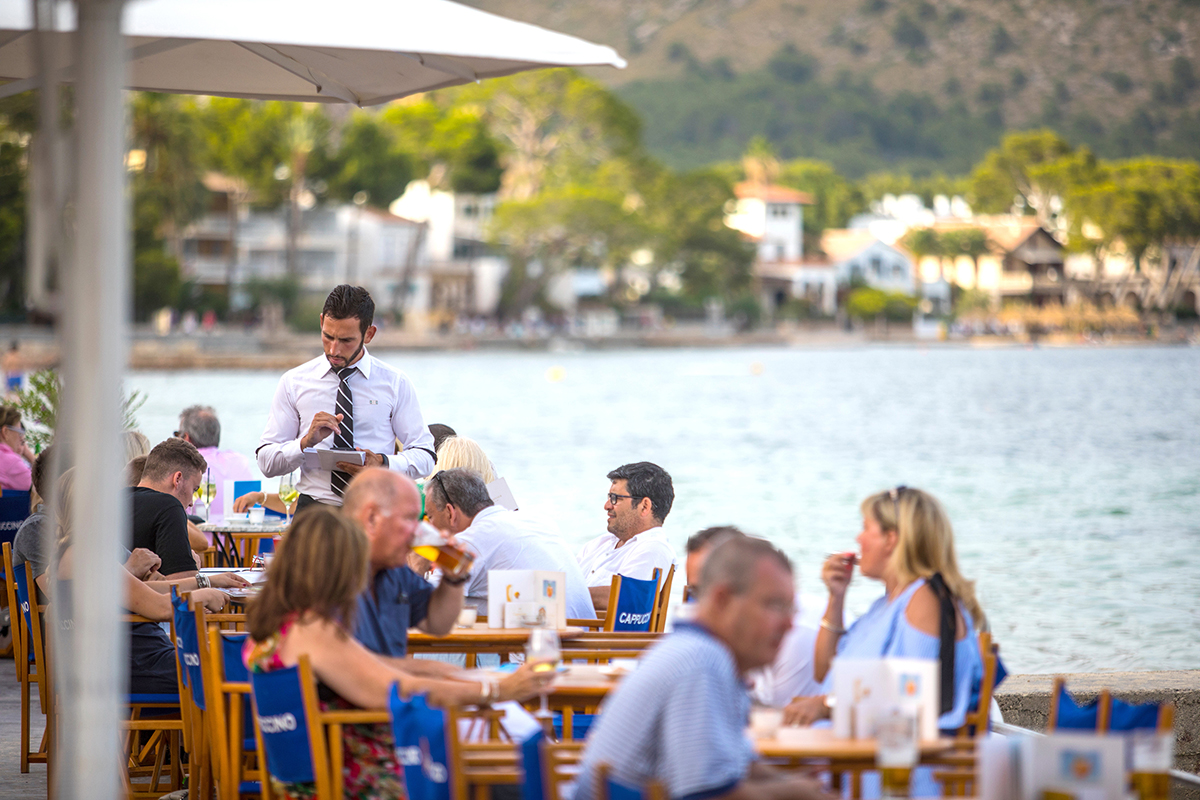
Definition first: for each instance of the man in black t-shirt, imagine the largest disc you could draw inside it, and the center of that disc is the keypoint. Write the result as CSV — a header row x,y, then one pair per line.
x,y
174,470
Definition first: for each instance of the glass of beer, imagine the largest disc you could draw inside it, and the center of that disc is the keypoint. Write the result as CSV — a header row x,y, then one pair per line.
x,y
430,544
897,741
542,653
1153,755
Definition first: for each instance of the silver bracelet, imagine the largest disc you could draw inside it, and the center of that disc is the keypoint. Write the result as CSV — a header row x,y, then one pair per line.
x,y
201,581
829,627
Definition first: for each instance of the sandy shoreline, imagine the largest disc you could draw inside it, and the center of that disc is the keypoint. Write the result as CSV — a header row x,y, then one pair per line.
x,y
251,350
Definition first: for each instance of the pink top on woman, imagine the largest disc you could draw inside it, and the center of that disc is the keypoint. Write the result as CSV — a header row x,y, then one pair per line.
x,y
14,471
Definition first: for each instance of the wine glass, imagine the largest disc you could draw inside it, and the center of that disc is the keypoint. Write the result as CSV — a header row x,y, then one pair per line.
x,y
288,493
543,653
206,492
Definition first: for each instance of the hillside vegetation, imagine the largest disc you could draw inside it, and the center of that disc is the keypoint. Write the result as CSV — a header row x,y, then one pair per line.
x,y
913,85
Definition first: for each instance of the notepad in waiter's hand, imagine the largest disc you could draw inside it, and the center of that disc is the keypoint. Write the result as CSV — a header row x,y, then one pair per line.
x,y
329,458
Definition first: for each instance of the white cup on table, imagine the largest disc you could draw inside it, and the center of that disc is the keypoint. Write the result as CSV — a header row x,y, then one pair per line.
x,y
257,515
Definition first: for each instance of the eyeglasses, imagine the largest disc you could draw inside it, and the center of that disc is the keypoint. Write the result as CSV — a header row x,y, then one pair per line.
x,y
178,434
19,431
895,495
614,498
437,476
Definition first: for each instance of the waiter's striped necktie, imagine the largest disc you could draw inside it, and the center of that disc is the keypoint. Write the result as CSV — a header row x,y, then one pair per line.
x,y
344,438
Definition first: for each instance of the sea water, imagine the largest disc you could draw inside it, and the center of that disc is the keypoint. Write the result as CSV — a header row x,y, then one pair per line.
x,y
1072,476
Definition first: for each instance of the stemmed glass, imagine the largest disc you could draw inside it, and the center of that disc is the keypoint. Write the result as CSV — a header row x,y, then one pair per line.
x,y
542,653
206,492
288,494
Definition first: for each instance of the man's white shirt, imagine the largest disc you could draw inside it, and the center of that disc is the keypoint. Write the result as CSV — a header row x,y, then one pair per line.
x,y
791,675
385,410
511,540
600,558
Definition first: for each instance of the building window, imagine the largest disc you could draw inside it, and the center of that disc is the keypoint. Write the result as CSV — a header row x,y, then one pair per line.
x,y
876,265
779,251
778,210
897,270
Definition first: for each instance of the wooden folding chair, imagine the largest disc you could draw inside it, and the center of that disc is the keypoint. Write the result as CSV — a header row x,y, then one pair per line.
x,y
1101,708
476,766
28,652
560,765
659,620
153,734
960,774
235,771
619,582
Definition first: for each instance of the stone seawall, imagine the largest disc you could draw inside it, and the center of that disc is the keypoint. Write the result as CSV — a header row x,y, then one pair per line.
x,y
1025,701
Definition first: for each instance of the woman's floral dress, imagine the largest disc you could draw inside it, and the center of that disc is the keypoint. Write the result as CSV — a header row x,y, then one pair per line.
x,y
371,771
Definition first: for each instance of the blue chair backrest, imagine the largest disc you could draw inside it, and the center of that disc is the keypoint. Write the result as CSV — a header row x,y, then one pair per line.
x,y
531,767
232,643
22,582
420,734
635,604
1072,716
14,508
187,648
279,707
1129,717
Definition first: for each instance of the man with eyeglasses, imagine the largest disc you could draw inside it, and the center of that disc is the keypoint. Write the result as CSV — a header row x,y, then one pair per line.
x,y
680,717
457,501
638,502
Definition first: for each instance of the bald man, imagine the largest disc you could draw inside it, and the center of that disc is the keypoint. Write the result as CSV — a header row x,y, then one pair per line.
x,y
387,507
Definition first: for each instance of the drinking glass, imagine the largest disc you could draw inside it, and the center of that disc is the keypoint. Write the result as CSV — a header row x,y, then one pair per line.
x,y
288,494
543,653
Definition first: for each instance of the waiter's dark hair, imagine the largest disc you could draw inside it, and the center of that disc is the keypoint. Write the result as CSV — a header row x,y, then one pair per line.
x,y
350,302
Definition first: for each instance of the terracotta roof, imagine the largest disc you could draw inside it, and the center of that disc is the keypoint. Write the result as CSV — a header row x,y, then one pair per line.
x,y
1006,231
771,193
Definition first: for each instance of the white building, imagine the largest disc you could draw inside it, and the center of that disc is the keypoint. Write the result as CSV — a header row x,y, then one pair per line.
x,y
858,255
773,216
336,244
459,274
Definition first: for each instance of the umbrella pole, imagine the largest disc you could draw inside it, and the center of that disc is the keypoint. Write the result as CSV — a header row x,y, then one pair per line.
x,y
93,665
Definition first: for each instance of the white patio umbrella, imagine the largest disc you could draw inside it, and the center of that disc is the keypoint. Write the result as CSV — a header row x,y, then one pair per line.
x,y
355,51
363,52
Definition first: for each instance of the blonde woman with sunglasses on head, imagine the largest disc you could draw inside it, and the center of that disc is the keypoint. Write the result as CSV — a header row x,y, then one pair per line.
x,y
928,610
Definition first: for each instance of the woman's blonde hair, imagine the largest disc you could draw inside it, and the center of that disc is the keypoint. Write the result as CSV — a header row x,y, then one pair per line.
x,y
926,541
459,451
320,567
136,444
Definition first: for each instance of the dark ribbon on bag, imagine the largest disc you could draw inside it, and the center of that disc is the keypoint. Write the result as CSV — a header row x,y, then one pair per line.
x,y
947,625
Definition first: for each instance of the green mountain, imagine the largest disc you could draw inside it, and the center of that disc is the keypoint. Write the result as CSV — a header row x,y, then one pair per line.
x,y
915,85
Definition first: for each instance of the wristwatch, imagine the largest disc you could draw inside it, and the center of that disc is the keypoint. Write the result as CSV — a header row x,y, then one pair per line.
x,y
201,581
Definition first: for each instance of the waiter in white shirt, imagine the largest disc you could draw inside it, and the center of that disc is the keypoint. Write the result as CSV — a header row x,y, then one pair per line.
x,y
639,500
346,394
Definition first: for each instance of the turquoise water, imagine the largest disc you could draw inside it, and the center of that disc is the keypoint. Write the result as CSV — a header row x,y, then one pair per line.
x,y
1072,476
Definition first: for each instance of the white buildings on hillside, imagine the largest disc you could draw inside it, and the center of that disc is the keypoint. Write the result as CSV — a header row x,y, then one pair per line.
x,y
336,244
857,255
459,275
773,217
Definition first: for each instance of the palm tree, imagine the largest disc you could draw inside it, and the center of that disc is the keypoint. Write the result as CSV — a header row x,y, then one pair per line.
x,y
923,242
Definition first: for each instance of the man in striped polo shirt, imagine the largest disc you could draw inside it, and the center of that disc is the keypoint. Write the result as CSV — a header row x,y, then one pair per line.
x,y
680,718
